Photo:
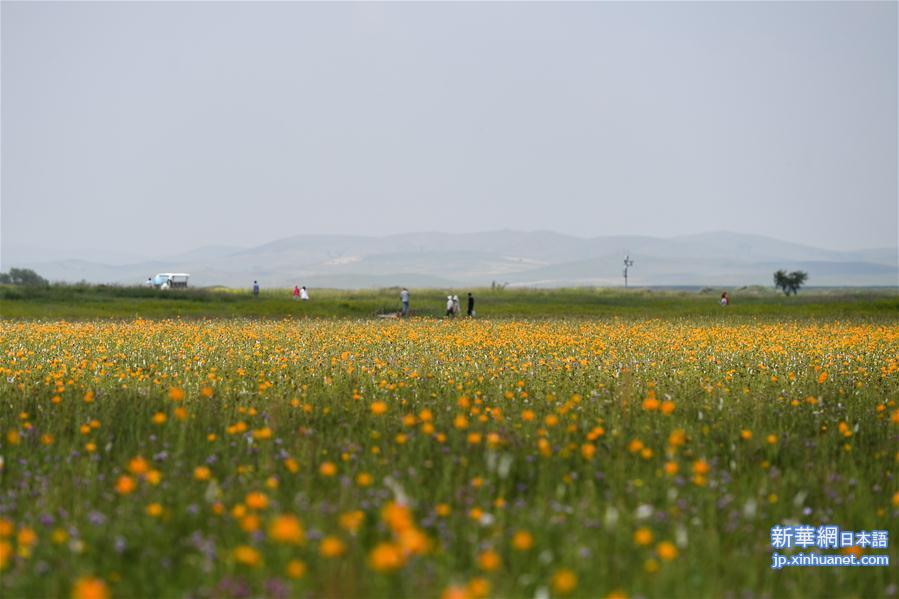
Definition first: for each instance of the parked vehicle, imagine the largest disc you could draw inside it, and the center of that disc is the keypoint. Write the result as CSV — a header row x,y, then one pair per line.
x,y
171,280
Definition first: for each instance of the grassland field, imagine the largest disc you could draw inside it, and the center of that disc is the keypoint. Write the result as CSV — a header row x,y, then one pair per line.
x,y
88,301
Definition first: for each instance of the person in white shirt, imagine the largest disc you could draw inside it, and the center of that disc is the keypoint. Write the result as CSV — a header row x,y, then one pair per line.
x,y
304,295
404,297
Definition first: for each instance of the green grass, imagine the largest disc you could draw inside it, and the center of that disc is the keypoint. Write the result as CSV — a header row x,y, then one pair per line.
x,y
88,302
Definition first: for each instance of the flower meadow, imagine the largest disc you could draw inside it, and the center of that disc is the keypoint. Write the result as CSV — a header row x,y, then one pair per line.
x,y
445,459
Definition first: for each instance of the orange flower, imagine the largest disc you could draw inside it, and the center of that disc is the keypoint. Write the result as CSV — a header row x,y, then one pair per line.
x,y
489,561
247,556
522,540
327,469
643,536
295,569
125,485
666,550
5,553
378,408
286,529
90,588
385,557
256,500
351,521
564,581
138,466
331,547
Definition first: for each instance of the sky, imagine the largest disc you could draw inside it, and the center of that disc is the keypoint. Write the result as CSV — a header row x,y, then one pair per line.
x,y
150,128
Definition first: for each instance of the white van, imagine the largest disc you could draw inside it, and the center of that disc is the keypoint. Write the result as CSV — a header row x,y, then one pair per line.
x,y
171,280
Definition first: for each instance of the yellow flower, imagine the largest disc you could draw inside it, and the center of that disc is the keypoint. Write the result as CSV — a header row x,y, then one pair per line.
x,y
643,536
5,553
351,521
256,500
138,466
588,450
90,588
125,485
176,394
455,592
489,561
522,540
746,434
296,569
286,529
202,473
250,523
327,469
386,557
364,479
159,418
331,547
478,587
154,510
246,555
378,408
666,550
26,537
564,581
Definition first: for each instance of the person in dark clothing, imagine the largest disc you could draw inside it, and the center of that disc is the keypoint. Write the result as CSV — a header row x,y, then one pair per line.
x,y
255,289
470,304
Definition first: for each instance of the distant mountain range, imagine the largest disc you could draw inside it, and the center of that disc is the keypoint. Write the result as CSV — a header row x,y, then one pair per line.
x,y
537,259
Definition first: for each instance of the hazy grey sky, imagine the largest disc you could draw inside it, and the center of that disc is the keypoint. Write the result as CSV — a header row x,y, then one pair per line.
x,y
159,127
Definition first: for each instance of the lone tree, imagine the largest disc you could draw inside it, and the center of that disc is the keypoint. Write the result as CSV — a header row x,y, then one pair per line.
x,y
24,277
789,282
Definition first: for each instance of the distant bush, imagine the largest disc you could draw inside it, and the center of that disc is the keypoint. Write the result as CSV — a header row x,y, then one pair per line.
x,y
23,277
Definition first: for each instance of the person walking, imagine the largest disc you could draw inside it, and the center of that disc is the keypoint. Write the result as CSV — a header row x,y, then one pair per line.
x,y
457,309
255,289
296,293
304,295
449,306
470,305
404,297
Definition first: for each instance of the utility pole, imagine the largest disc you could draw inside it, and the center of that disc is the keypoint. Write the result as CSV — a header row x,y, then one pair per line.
x,y
627,263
